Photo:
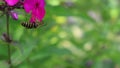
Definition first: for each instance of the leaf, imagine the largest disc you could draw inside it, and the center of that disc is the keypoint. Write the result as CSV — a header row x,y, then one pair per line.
x,y
19,57
3,64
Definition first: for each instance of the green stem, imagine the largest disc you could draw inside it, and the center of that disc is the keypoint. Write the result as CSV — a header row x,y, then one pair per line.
x,y
9,49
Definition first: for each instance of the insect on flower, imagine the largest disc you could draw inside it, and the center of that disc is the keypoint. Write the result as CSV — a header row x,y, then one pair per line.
x,y
37,10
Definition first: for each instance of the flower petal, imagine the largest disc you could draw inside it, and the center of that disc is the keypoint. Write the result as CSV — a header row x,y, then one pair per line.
x,y
38,13
41,2
28,5
36,8
11,2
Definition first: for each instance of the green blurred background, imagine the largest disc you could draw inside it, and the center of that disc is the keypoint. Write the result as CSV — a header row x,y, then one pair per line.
x,y
76,34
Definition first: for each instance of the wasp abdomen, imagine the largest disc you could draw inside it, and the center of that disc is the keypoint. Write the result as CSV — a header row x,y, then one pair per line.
x,y
29,25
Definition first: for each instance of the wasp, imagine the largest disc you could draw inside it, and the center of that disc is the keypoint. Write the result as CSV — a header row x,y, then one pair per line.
x,y
29,25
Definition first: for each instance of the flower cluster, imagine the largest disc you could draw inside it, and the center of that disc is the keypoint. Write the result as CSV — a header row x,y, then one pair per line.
x,y
34,7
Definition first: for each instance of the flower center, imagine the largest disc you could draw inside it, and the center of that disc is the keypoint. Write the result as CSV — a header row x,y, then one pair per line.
x,y
36,5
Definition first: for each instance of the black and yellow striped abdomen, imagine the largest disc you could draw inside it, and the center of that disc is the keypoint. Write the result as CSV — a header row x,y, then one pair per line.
x,y
29,25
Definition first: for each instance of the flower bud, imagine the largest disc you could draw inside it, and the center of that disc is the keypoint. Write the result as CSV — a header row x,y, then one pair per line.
x,y
14,15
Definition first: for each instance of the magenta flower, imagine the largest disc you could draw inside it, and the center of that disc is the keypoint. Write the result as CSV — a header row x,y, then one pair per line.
x,y
36,8
11,2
